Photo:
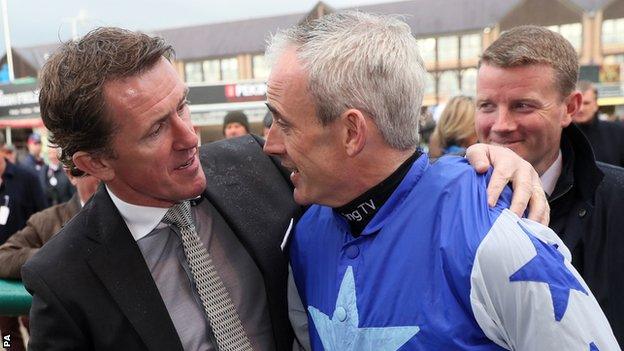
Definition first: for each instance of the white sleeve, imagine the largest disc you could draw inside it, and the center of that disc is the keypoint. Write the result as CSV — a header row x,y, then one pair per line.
x,y
526,295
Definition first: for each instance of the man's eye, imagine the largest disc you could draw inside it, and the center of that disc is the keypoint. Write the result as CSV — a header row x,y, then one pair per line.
x,y
281,124
156,130
523,107
486,107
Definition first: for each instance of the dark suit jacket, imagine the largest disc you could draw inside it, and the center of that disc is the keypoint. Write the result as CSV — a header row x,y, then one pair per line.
x,y
38,230
92,289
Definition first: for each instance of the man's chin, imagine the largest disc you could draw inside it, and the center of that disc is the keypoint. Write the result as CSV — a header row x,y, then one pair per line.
x,y
198,188
300,199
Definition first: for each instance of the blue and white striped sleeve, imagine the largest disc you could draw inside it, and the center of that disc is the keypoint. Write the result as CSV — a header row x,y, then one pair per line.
x,y
526,295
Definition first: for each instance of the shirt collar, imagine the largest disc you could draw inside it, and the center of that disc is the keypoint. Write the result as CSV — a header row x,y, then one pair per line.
x,y
141,220
549,178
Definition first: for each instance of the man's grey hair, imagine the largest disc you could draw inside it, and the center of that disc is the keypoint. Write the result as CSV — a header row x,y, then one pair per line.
x,y
362,61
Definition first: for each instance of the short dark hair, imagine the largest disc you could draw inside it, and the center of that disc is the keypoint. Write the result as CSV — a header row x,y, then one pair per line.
x,y
72,84
532,45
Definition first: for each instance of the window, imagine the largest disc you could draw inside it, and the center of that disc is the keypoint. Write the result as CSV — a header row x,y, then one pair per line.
x,y
449,83
427,49
470,46
613,31
573,32
193,72
448,48
260,67
430,84
613,59
229,69
212,71
469,81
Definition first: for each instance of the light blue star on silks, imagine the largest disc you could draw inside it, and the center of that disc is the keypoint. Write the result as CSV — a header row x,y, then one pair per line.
x,y
593,347
548,267
341,332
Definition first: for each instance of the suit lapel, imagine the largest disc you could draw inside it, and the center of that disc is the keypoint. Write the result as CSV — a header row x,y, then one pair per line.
x,y
119,264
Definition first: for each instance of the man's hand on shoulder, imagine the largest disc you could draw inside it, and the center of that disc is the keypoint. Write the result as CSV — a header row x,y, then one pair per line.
x,y
509,167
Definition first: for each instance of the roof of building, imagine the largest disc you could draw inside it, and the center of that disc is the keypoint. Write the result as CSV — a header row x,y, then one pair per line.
x,y
225,39
445,16
425,17
35,56
591,5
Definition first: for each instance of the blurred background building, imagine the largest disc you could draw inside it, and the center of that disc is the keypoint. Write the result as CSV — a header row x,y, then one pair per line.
x,y
225,68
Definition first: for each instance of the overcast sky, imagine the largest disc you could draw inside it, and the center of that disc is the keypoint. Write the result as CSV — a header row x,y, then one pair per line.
x,y
34,22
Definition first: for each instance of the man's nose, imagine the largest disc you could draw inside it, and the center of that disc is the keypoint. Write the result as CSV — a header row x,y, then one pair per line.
x,y
274,143
504,121
184,134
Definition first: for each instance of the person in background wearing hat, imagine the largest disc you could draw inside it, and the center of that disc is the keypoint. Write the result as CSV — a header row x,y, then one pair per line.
x,y
34,160
21,195
235,124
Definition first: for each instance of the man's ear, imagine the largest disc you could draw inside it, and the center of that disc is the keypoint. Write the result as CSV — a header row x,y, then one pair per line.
x,y
356,129
96,166
573,104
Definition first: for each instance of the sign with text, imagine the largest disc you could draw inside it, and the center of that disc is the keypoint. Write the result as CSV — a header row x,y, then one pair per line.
x,y
219,94
19,100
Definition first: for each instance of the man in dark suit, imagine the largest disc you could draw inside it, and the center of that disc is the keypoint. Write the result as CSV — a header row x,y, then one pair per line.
x,y
124,273
118,275
606,138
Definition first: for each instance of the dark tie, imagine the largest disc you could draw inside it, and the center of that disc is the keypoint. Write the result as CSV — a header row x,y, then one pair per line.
x,y
225,323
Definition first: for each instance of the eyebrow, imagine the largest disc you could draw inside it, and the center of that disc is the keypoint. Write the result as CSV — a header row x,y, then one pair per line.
x,y
273,110
276,114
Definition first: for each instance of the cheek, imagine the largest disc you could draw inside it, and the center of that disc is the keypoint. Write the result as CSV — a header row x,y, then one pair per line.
x,y
482,126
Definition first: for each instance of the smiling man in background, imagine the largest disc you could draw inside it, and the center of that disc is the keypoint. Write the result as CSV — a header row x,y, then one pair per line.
x,y
526,100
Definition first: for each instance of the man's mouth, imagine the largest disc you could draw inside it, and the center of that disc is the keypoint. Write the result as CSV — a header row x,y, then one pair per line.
x,y
186,164
293,170
505,143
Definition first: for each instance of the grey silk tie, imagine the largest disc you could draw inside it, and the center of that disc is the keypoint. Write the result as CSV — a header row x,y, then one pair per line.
x,y
225,323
